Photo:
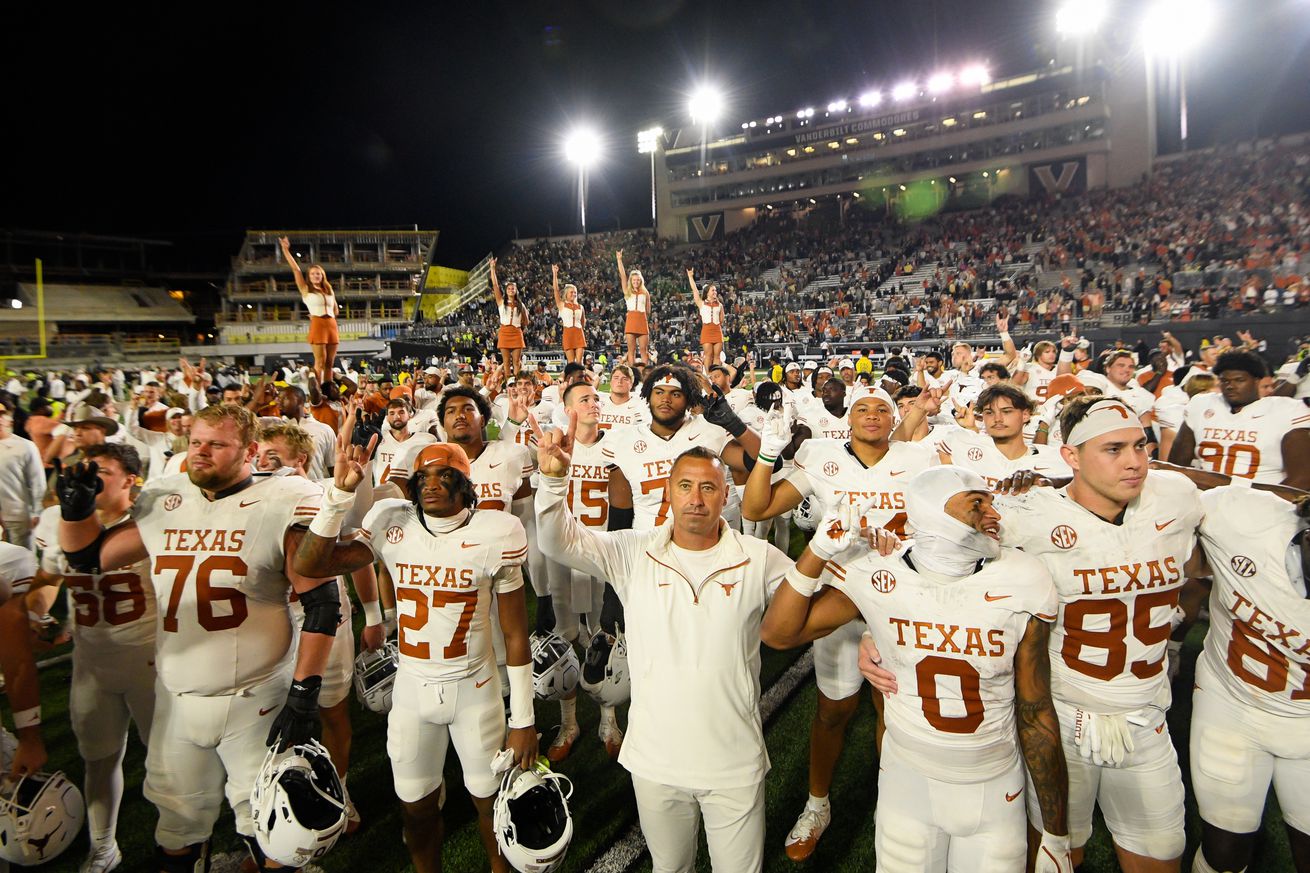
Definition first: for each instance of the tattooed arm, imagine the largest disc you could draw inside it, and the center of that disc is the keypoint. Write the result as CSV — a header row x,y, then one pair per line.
x,y
1039,729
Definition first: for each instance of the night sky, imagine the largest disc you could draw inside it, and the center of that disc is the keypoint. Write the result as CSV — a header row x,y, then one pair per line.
x,y
192,122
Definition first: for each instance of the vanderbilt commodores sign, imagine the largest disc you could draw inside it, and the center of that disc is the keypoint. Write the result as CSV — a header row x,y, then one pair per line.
x,y
1059,177
703,228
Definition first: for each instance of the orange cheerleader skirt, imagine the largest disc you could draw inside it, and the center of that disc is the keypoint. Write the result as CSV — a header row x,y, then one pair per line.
x,y
636,323
510,337
323,330
710,333
573,339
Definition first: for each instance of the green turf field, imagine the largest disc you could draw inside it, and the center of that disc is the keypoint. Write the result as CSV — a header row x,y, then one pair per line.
x,y
603,807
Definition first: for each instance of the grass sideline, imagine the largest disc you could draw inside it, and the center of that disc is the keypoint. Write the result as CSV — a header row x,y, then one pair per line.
x,y
603,805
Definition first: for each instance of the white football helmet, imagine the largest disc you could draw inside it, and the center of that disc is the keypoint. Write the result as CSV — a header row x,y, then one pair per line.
x,y
298,804
807,515
605,675
375,676
40,815
531,818
555,667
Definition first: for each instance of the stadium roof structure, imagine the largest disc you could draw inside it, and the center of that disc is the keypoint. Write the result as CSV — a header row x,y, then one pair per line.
x,y
105,304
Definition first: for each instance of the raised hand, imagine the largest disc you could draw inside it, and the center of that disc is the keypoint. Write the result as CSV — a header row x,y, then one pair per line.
x,y
555,448
77,487
930,399
285,243
776,436
348,469
1002,323
839,529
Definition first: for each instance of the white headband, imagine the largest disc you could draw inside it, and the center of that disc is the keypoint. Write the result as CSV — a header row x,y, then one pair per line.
x,y
1104,417
668,381
877,394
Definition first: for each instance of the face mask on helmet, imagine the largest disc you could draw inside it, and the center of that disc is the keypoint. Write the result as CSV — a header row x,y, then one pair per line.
x,y
531,819
555,667
298,805
40,815
605,674
375,677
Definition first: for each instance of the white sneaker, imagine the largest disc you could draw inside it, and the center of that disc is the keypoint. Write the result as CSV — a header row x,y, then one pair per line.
x,y
804,836
102,859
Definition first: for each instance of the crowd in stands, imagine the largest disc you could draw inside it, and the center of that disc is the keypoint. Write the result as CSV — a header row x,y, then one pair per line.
x,y
1208,235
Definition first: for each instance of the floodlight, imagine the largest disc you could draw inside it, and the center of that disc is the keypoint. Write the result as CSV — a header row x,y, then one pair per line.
x,y
1080,17
870,99
648,140
16,303
582,147
975,74
837,106
940,82
1173,28
904,91
705,105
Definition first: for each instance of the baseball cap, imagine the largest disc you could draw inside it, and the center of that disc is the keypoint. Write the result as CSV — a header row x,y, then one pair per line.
x,y
1064,385
846,363
443,455
400,391
793,367
809,365
174,412
827,370
432,371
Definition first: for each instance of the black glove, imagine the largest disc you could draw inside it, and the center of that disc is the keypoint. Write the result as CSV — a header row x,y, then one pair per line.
x,y
77,487
720,413
1304,367
298,721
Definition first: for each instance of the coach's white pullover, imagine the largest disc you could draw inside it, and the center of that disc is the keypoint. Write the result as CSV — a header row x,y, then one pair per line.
x,y
22,478
693,643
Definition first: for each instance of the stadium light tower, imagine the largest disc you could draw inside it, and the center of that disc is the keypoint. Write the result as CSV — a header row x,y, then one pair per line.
x,y
647,144
705,105
1171,30
582,148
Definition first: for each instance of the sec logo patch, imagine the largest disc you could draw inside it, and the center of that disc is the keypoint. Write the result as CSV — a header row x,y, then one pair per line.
x,y
395,534
1243,566
831,469
172,501
639,446
975,454
1064,537
883,581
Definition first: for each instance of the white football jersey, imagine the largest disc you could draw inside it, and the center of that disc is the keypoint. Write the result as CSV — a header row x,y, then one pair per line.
x,y
589,482
1258,644
17,569
1169,407
117,608
646,461
1039,380
824,425
388,447
938,434
1247,443
219,573
1118,587
1134,396
497,473
829,470
951,645
977,452
444,584
633,411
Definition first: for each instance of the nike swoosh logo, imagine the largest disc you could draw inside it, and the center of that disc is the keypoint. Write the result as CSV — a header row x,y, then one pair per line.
x,y
1261,415
495,465
468,545
896,473
483,682
665,584
990,598
246,503
267,711
1160,729
1010,798
1159,526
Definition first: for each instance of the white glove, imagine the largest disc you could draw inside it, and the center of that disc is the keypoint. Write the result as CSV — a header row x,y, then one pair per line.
x,y
1053,856
838,530
1174,651
1105,740
775,436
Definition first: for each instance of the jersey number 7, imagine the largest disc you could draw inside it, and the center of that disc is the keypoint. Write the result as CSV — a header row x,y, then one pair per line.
x,y
206,593
467,601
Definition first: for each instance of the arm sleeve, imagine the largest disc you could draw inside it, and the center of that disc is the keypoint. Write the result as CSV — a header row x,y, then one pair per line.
x,y
513,551
563,538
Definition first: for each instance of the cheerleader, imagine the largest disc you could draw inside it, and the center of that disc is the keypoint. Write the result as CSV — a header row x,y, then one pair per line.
x,y
571,316
636,326
513,318
711,322
323,309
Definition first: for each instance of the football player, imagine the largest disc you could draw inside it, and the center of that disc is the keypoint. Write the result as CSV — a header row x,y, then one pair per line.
x,y
1240,433
963,626
232,681
868,467
1119,544
620,406
446,558
395,435
1251,706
